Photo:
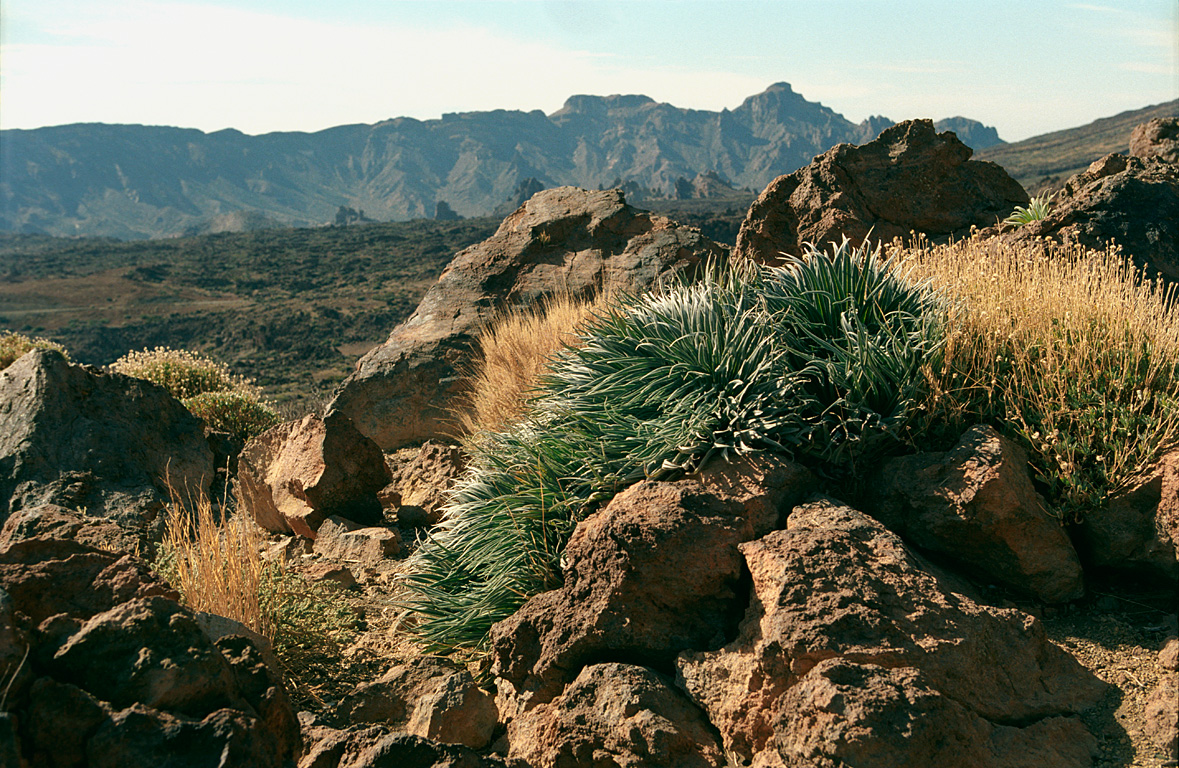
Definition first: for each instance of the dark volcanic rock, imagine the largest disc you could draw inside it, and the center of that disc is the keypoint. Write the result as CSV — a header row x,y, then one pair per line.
x,y
102,442
1138,530
562,240
655,572
117,673
1156,138
1124,200
379,746
616,715
909,179
975,505
849,642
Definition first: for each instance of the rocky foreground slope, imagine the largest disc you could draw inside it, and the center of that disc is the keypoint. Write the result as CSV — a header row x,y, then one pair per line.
x,y
742,615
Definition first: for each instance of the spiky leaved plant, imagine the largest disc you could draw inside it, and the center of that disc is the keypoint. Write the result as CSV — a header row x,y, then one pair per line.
x,y
1038,208
819,359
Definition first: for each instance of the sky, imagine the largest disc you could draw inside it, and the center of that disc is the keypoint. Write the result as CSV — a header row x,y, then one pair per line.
x,y
1026,66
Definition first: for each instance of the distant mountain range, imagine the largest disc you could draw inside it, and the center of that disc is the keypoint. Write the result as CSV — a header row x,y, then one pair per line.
x,y
135,181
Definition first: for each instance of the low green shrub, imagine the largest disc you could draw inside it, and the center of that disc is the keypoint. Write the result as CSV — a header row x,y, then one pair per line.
x,y
14,345
223,400
821,360
238,414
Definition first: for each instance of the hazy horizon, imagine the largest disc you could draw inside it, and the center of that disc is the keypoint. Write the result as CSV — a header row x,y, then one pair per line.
x,y
1026,69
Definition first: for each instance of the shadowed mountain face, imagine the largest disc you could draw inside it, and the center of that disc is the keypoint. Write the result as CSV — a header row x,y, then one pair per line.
x,y
134,181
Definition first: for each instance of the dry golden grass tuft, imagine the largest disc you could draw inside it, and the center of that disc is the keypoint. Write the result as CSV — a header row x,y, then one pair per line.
x,y
513,353
1075,351
218,567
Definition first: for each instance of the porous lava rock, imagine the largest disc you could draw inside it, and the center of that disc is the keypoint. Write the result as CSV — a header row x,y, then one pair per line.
x,y
655,572
975,505
909,179
295,475
1138,530
617,715
110,444
114,672
849,641
420,478
1130,201
563,240
426,697
345,541
1158,137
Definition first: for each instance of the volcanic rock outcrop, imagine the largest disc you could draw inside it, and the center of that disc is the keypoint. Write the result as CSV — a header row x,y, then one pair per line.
x,y
909,179
562,240
107,443
104,668
849,635
1156,138
1130,201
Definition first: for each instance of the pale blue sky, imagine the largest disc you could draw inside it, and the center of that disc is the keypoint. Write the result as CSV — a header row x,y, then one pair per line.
x,y
1026,66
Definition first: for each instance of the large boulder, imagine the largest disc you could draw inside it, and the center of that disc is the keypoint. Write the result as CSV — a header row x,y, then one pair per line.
x,y
114,672
616,715
1156,138
849,643
563,240
909,179
975,506
295,475
103,442
655,572
1130,201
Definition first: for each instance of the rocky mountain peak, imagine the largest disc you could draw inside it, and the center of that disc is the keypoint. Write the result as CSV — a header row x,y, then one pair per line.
x,y
583,104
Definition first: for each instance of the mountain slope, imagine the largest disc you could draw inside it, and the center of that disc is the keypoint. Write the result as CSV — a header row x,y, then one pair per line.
x,y
1044,163
133,181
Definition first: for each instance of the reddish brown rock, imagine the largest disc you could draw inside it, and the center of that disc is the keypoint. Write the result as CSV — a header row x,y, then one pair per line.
x,y
838,587
655,572
1156,138
562,240
117,673
54,522
616,715
295,475
909,179
421,478
975,504
844,713
337,574
1127,200
1162,706
107,443
348,542
1139,528
427,697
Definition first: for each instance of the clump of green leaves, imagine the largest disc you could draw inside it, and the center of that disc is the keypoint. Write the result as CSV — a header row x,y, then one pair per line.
x,y
14,345
820,360
1037,208
223,400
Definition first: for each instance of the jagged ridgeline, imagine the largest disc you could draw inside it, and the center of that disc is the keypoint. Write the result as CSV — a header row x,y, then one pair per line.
x,y
133,181
820,360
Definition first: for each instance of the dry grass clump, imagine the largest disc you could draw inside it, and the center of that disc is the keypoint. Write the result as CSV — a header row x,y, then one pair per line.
x,y
1073,352
513,354
223,400
14,345
215,561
